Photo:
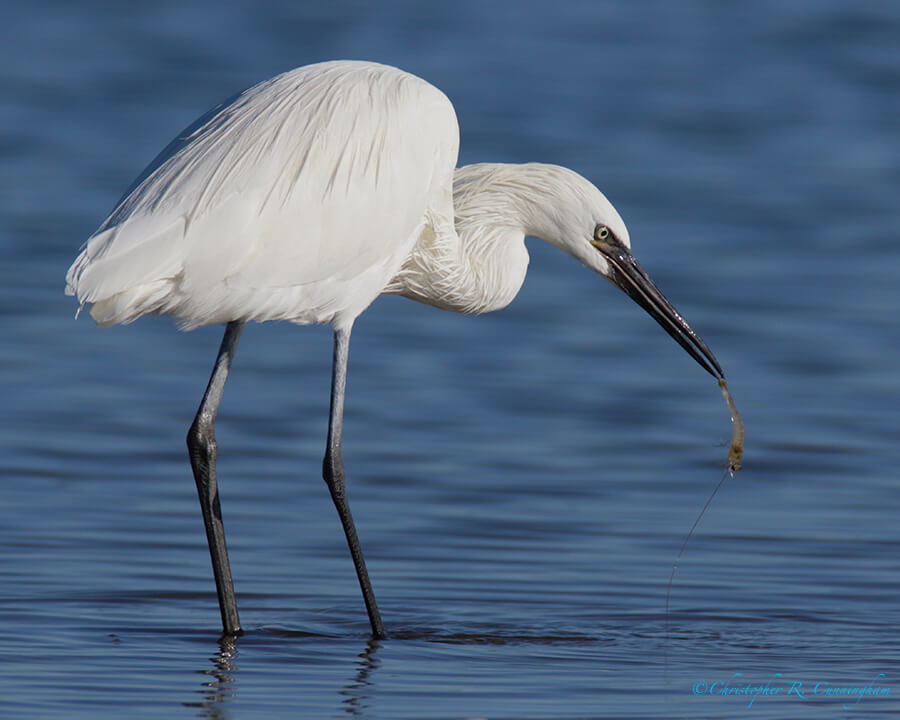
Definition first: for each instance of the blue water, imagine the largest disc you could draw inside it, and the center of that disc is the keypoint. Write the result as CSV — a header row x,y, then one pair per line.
x,y
522,481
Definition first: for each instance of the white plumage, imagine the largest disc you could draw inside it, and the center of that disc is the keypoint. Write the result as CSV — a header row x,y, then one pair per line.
x,y
307,196
282,205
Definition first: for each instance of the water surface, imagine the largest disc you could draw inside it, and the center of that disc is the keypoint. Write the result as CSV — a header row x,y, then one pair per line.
x,y
521,481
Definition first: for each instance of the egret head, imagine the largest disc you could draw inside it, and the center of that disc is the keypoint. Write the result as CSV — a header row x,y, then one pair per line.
x,y
571,213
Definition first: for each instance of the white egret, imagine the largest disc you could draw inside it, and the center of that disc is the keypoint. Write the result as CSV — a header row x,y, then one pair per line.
x,y
309,195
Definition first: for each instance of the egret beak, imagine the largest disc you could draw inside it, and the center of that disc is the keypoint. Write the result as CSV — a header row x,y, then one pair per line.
x,y
626,274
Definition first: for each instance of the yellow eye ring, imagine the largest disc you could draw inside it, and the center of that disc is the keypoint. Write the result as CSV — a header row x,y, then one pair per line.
x,y
601,233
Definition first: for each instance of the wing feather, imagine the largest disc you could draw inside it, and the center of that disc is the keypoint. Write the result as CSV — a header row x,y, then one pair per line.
x,y
292,201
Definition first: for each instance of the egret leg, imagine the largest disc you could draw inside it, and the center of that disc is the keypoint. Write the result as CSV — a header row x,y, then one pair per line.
x,y
201,441
333,472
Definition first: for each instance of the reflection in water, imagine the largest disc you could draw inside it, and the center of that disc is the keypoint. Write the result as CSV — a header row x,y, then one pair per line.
x,y
220,685
219,689
357,693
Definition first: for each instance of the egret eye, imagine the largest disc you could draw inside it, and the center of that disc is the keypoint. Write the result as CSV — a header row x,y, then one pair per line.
x,y
601,234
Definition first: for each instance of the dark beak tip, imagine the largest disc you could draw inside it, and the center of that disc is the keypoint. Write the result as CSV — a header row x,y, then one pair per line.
x,y
627,274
